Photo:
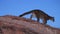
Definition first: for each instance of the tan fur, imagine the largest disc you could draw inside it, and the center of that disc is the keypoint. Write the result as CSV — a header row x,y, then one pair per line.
x,y
39,14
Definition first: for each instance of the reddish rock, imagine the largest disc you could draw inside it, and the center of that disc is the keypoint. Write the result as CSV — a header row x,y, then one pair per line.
x,y
18,25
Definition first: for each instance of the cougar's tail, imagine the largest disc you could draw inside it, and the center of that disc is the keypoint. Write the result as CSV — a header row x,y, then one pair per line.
x,y
25,13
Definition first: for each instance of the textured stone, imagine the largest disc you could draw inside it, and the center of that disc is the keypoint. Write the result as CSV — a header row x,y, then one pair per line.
x,y
17,25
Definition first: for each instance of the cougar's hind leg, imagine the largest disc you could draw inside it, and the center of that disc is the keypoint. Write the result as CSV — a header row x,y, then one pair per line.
x,y
38,19
31,16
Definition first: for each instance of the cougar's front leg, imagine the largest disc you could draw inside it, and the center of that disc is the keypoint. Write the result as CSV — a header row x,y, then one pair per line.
x,y
44,21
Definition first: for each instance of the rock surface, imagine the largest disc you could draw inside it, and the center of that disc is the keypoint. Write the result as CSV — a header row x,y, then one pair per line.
x,y
17,25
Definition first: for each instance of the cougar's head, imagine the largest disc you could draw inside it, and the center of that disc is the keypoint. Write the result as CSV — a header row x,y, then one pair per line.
x,y
52,19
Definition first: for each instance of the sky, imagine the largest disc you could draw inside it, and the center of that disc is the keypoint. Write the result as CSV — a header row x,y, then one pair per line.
x,y
18,7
